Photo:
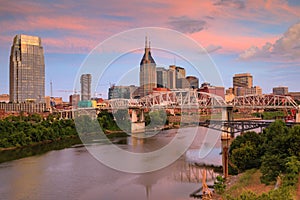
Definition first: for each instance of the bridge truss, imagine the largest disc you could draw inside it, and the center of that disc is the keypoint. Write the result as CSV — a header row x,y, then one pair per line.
x,y
266,101
172,99
203,100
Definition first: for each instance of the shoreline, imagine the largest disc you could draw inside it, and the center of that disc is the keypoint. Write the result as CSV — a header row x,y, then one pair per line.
x,y
109,133
37,143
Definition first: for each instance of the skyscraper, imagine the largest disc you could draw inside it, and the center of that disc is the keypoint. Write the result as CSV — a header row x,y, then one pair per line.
x,y
147,72
162,77
179,76
27,70
85,81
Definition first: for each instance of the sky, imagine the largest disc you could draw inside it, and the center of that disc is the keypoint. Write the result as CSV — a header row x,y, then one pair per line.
x,y
261,37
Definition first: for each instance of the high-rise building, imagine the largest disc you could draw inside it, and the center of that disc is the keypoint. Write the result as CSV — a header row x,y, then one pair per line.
x,y
243,80
162,77
171,78
148,79
179,76
85,81
280,90
27,70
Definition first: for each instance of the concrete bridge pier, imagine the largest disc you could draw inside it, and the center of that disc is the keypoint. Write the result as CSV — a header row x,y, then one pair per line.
x,y
137,121
226,138
298,116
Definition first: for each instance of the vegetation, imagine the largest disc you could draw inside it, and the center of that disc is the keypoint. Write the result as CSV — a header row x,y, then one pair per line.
x,y
276,152
268,115
23,131
219,185
33,129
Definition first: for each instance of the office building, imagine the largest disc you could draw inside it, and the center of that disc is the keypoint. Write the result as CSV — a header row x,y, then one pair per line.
x,y
280,90
27,70
74,99
86,81
193,82
122,92
162,77
171,78
243,80
208,88
179,76
148,79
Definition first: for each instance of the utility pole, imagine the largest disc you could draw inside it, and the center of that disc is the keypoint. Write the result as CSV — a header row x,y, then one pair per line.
x,y
51,94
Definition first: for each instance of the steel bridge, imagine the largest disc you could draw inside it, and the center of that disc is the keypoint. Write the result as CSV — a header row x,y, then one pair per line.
x,y
241,126
202,100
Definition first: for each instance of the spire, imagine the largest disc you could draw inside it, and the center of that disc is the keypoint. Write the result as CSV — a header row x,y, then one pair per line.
x,y
146,41
147,58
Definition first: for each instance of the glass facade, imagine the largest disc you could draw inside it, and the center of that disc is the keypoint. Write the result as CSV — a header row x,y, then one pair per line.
x,y
27,70
86,80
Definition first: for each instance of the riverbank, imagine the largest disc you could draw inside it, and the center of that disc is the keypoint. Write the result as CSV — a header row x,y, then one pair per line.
x,y
38,143
248,185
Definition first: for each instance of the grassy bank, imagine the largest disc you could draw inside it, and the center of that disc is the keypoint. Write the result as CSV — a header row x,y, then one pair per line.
x,y
247,181
247,186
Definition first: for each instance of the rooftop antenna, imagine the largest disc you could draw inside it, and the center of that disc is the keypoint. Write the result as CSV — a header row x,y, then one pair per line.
x,y
146,41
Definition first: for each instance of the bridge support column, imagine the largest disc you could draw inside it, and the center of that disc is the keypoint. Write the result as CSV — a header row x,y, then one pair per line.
x,y
226,139
137,121
298,116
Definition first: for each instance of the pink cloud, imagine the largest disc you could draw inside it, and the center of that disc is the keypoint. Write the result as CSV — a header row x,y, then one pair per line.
x,y
90,21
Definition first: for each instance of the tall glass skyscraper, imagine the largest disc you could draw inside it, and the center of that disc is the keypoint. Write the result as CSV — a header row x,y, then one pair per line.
x,y
86,80
27,70
147,72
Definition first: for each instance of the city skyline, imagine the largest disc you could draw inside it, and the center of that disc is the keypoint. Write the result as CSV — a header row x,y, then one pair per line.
x,y
262,38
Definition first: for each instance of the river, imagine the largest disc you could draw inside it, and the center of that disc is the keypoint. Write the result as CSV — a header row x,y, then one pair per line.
x,y
73,173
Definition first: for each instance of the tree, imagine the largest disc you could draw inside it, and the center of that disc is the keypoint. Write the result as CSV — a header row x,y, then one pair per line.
x,y
246,156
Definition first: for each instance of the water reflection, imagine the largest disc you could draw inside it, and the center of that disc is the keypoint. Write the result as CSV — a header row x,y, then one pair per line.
x,y
73,173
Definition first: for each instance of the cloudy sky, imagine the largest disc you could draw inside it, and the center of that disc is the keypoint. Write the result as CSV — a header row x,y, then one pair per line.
x,y
261,37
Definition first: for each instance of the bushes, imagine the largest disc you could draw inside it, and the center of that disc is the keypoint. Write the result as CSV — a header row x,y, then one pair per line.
x,y
219,185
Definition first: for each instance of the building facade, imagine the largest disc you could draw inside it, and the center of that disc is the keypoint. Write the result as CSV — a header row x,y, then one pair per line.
x,y
193,82
162,77
179,76
74,99
243,80
148,79
86,81
171,78
4,98
280,90
122,92
23,107
208,88
27,70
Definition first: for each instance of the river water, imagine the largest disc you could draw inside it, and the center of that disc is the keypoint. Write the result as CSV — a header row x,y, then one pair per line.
x,y
73,173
